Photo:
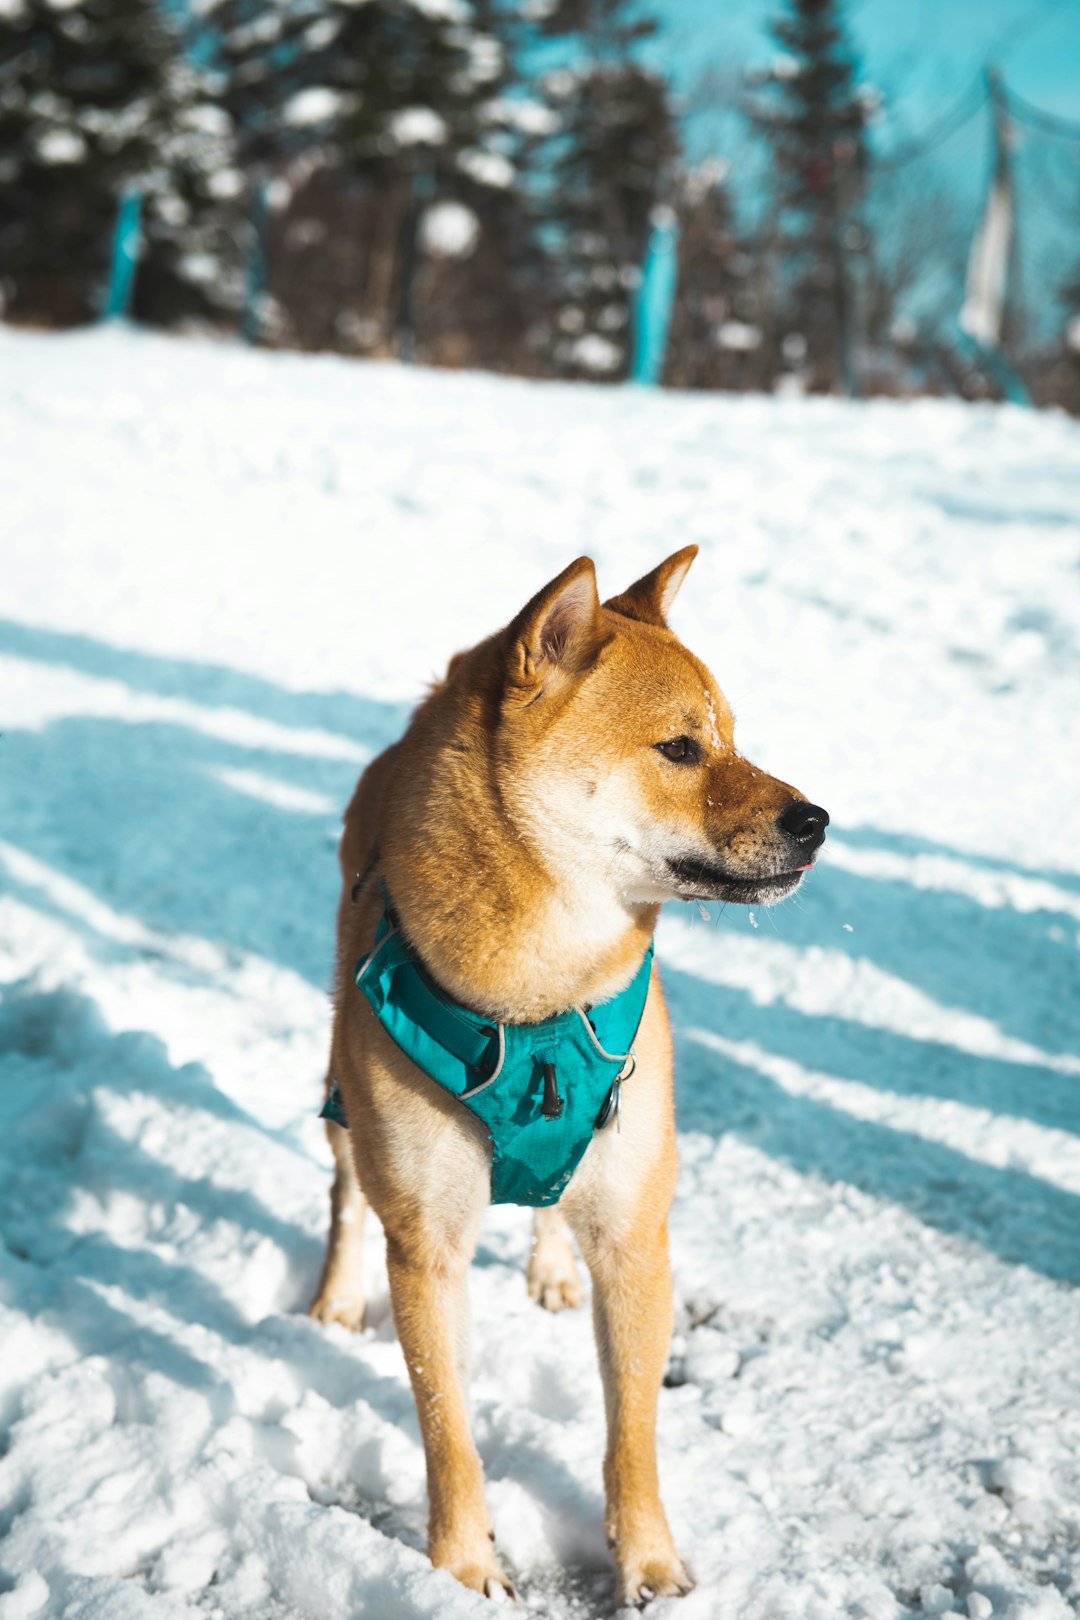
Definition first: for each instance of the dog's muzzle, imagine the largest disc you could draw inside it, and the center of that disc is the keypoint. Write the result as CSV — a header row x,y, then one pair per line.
x,y
802,827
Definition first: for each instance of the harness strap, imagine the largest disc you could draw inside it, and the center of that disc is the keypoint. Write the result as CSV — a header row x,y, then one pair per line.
x,y
473,1043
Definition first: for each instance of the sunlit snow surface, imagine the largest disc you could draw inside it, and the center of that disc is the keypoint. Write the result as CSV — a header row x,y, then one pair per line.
x,y
224,578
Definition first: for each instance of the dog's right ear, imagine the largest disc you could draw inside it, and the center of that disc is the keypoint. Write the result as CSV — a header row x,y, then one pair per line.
x,y
560,630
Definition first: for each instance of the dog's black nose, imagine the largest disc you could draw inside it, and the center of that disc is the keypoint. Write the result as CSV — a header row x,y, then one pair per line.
x,y
806,823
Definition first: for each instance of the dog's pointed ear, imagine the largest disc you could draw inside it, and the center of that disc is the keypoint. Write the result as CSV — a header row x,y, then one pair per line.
x,y
649,599
560,630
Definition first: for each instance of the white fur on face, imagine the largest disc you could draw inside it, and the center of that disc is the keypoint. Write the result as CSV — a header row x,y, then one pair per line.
x,y
585,827
599,837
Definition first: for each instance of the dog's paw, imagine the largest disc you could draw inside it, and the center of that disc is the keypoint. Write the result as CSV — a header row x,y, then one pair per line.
x,y
557,1293
499,1591
344,1308
480,1574
651,1576
553,1276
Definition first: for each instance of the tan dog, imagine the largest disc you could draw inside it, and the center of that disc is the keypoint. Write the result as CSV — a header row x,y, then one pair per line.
x,y
567,776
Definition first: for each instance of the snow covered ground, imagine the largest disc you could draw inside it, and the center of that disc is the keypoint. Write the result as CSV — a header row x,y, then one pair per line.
x,y
224,578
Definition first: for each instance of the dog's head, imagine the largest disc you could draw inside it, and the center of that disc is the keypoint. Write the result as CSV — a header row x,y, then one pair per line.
x,y
614,748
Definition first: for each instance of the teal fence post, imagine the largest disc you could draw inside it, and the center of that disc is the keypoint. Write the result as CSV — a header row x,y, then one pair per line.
x,y
125,256
653,304
255,279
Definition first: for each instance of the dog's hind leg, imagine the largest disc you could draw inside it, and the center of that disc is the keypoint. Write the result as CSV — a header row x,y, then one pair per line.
x,y
553,1274
339,1296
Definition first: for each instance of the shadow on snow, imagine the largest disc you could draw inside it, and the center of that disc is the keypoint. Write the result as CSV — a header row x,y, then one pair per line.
x,y
139,813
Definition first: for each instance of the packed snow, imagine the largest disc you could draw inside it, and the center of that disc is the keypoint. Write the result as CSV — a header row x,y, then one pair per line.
x,y
226,576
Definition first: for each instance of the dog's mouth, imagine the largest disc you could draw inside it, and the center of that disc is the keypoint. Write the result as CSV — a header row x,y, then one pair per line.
x,y
702,880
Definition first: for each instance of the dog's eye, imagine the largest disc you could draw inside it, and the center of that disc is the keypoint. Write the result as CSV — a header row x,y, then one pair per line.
x,y
680,750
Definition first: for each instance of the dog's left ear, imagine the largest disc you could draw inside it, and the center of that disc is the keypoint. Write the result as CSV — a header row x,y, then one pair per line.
x,y
649,599
560,631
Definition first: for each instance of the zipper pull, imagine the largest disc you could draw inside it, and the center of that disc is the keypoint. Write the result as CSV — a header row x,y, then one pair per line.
x,y
552,1106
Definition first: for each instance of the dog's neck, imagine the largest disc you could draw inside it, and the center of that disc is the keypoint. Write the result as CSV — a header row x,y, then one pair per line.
x,y
520,971
502,926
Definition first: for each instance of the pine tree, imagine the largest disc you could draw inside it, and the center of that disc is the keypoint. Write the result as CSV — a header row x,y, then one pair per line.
x,y
483,290
364,84
815,115
611,161
386,106
716,338
487,304
81,96
194,226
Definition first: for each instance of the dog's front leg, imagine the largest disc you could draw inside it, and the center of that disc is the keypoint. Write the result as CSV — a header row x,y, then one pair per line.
x,y
632,1312
429,1294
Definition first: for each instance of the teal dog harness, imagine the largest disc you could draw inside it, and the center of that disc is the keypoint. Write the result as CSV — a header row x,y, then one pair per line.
x,y
541,1090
